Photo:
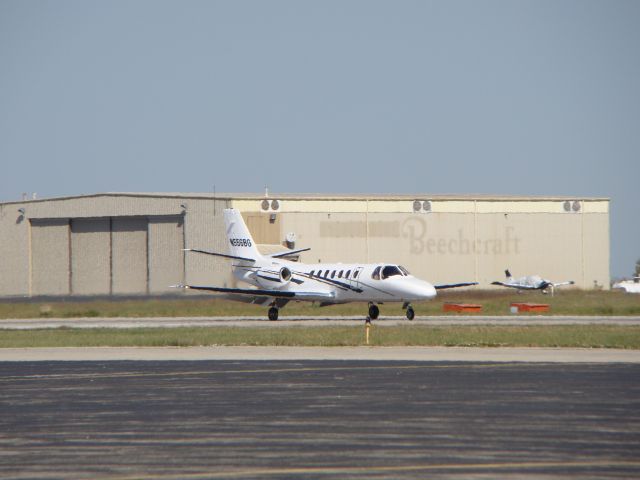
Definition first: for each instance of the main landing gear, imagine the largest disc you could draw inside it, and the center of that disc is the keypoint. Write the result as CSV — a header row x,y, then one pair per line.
x,y
273,314
374,311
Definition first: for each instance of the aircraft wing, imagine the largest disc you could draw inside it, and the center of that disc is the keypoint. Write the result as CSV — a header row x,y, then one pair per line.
x,y
568,282
454,285
256,292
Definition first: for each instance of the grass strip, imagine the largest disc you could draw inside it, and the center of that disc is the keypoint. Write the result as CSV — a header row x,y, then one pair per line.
x,y
568,302
585,336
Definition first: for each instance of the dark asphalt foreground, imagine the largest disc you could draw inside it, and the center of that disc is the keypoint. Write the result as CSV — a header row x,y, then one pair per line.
x,y
310,419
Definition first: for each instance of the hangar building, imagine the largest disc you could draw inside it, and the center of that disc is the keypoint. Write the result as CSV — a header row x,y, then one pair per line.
x,y
131,243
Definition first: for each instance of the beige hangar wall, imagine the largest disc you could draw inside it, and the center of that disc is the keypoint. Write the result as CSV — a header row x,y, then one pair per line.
x,y
132,243
457,240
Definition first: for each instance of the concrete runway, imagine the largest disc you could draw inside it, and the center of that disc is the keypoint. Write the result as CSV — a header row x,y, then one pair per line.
x,y
288,321
310,419
242,353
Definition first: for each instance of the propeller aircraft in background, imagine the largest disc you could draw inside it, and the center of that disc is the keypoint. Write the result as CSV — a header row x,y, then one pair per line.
x,y
531,282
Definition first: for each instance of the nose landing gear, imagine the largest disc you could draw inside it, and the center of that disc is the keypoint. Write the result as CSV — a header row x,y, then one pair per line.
x,y
411,314
374,311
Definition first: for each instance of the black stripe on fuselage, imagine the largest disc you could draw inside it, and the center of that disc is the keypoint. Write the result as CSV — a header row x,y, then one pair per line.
x,y
277,279
332,282
378,289
326,281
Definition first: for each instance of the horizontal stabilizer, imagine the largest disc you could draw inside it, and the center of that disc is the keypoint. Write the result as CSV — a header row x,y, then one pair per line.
x,y
288,252
216,254
454,285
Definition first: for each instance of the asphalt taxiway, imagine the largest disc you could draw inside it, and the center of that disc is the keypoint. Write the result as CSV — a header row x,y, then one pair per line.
x,y
318,419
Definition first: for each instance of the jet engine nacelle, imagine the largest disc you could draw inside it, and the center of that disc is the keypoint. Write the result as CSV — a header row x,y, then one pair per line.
x,y
270,279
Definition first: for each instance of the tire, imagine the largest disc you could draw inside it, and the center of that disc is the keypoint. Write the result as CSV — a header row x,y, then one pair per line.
x,y
411,314
374,311
273,314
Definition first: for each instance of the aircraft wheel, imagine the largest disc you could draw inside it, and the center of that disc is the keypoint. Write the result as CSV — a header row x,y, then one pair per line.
x,y
374,311
411,314
273,314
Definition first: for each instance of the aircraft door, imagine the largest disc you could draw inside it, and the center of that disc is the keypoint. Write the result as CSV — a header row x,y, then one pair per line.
x,y
357,277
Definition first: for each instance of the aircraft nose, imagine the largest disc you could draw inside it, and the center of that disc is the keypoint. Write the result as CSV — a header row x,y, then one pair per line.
x,y
429,291
424,290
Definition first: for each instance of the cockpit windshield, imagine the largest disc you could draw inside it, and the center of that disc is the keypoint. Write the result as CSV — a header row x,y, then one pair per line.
x,y
390,271
386,271
376,274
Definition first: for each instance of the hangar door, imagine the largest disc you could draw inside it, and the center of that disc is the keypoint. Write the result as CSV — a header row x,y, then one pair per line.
x,y
129,271
166,257
90,256
108,255
50,256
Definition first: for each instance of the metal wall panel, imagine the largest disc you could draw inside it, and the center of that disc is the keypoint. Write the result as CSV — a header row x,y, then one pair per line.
x,y
204,229
335,237
129,255
50,257
548,245
262,229
437,247
15,276
595,247
90,256
166,258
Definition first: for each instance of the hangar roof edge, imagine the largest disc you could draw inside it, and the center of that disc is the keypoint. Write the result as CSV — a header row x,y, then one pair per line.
x,y
320,196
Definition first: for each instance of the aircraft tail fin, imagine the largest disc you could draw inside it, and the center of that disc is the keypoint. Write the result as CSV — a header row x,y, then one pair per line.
x,y
241,242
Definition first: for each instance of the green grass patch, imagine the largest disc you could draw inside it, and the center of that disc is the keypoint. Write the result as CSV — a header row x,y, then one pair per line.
x,y
565,302
587,336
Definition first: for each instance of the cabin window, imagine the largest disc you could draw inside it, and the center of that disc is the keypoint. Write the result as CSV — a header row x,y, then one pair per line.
x,y
390,271
326,273
355,273
311,273
333,274
376,274
348,274
340,273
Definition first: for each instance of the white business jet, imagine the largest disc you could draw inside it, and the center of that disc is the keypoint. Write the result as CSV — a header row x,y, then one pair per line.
x,y
532,282
629,286
276,281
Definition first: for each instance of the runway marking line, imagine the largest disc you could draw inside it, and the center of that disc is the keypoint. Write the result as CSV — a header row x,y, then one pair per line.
x,y
387,468
273,370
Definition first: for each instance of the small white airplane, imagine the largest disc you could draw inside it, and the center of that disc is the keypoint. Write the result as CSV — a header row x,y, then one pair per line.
x,y
629,286
276,281
532,282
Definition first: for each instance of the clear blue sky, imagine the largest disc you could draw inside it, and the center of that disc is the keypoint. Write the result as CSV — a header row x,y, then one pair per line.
x,y
510,97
